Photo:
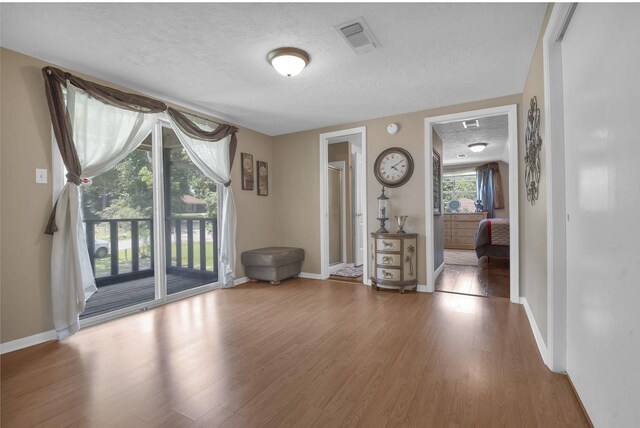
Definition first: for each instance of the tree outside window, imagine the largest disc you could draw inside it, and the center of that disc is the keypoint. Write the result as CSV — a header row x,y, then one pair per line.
x,y
462,188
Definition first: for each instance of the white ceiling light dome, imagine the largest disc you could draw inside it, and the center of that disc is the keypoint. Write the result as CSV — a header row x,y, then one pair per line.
x,y
288,61
477,147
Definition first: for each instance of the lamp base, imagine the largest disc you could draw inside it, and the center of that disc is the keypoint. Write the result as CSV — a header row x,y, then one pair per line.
x,y
382,223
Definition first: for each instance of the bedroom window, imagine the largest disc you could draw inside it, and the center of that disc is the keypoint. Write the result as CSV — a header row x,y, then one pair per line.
x,y
462,188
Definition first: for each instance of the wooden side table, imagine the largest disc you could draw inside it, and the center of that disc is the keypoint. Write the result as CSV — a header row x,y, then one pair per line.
x,y
395,261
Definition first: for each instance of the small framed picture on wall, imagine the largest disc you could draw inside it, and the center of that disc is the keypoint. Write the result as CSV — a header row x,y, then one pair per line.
x,y
247,171
263,178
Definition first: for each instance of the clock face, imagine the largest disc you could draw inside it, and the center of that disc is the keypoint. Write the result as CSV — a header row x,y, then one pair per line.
x,y
393,167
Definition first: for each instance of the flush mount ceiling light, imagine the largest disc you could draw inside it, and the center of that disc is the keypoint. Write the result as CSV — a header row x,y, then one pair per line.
x,y
288,61
477,147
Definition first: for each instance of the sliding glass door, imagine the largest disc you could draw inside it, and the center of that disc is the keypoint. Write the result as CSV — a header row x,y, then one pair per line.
x,y
191,220
152,228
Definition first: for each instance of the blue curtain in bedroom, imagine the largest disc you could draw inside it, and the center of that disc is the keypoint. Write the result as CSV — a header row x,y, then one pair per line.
x,y
484,180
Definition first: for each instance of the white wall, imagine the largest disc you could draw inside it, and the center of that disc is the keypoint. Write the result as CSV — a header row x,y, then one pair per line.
x,y
600,63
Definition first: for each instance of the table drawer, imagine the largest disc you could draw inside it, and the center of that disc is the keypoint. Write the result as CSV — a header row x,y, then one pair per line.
x,y
473,225
463,233
468,217
388,259
462,240
388,274
388,244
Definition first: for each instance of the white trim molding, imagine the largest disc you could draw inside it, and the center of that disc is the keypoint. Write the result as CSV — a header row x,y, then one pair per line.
x,y
514,244
240,281
544,352
28,341
324,185
308,275
555,181
342,167
437,272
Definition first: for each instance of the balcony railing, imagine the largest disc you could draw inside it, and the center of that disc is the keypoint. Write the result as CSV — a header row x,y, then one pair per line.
x,y
138,254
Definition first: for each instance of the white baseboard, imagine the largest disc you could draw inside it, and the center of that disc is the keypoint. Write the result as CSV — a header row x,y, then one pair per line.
x,y
542,347
438,271
25,342
310,275
240,280
422,288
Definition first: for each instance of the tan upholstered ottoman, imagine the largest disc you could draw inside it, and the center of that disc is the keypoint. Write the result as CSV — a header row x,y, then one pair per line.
x,y
272,264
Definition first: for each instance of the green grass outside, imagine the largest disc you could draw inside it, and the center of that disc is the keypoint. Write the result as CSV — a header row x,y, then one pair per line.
x,y
103,265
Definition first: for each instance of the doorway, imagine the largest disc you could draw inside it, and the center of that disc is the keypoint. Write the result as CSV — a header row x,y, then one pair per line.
x,y
153,226
337,207
472,240
342,205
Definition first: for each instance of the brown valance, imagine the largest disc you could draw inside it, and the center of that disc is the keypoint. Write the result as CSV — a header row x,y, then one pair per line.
x,y
55,79
192,130
498,191
107,95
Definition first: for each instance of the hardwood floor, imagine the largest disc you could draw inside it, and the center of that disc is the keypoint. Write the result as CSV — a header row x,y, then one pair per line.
x,y
357,279
487,279
304,353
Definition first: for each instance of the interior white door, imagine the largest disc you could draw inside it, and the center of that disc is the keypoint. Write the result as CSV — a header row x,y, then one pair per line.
x,y
358,218
600,63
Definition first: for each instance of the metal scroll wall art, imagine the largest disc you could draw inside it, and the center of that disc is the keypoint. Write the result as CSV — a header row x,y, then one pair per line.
x,y
533,147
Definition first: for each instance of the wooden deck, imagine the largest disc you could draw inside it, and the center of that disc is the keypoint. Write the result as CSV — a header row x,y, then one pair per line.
x,y
124,294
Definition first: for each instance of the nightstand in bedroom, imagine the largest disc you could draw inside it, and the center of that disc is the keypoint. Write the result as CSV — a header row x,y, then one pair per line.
x,y
395,261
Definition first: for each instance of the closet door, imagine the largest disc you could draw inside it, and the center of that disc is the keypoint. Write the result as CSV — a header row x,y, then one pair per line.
x,y
600,63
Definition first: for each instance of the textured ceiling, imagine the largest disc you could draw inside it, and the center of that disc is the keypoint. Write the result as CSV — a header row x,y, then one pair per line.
x,y
213,56
493,130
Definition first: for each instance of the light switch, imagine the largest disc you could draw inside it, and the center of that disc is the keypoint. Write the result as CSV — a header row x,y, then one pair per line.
x,y
41,176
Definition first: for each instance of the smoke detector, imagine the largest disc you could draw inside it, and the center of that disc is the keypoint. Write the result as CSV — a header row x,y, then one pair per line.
x,y
358,36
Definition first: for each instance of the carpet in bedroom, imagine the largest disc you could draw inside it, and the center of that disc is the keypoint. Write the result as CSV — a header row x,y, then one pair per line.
x,y
460,257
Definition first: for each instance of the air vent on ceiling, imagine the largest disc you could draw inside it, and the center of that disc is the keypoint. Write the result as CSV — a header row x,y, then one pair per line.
x,y
471,124
358,36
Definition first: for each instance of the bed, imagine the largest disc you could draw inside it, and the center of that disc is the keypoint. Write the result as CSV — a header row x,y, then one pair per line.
x,y
492,238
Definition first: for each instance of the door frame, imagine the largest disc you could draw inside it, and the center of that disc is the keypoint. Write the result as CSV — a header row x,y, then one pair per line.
x,y
512,144
357,180
341,166
554,151
324,223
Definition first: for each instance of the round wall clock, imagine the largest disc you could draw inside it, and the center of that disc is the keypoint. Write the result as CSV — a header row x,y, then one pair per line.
x,y
393,167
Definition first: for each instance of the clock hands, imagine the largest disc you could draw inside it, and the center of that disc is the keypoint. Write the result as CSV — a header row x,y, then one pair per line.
x,y
394,166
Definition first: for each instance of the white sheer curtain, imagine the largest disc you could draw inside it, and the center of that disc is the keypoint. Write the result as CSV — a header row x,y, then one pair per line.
x,y
212,158
103,135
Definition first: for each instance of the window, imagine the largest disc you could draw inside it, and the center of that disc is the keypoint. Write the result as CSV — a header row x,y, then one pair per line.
x,y
462,188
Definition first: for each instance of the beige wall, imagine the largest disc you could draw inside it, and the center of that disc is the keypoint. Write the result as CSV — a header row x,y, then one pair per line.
x,y
533,218
342,152
297,185
25,249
